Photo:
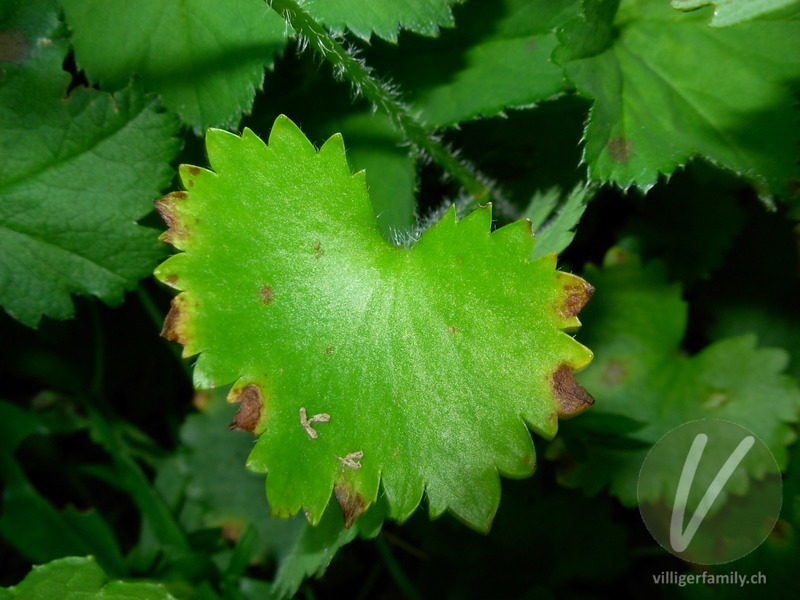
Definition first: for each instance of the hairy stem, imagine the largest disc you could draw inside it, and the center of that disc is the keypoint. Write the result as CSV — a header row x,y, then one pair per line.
x,y
346,65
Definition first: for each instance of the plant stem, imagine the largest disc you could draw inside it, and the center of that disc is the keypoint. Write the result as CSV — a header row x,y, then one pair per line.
x,y
396,571
346,65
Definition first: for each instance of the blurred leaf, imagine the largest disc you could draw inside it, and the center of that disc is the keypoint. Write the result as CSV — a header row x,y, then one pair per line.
x,y
30,523
497,58
554,225
75,578
205,59
767,305
731,12
312,552
209,486
61,229
635,323
667,87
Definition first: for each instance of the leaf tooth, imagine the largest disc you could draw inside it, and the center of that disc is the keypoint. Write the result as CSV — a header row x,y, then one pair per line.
x,y
221,145
251,415
167,207
177,324
570,396
403,492
334,147
353,504
478,221
190,175
519,233
574,293
286,138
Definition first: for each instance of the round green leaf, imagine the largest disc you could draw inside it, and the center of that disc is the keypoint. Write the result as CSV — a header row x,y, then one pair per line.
x,y
360,363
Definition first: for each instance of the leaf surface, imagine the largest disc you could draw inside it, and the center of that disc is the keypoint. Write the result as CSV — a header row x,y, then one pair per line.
x,y
76,578
383,17
668,87
731,12
636,324
555,224
205,59
199,479
62,228
362,364
498,57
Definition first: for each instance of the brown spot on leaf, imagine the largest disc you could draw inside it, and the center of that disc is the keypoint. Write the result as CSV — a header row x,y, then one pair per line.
x,y
352,503
572,398
329,350
532,45
614,372
452,329
249,413
318,250
171,279
620,149
529,460
14,48
578,294
267,294
194,171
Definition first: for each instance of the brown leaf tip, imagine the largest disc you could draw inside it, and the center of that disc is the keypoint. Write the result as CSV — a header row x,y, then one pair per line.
x,y
578,294
352,503
571,397
173,329
249,413
167,208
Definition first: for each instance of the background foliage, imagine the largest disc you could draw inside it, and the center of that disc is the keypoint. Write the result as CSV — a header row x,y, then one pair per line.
x,y
683,120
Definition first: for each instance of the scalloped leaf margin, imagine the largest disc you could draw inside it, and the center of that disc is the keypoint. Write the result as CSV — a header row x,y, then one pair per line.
x,y
364,366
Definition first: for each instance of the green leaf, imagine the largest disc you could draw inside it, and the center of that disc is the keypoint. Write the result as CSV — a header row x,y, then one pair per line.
x,y
61,229
429,362
205,59
554,226
668,87
383,17
731,12
198,481
636,323
29,522
313,550
375,146
76,578
497,58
